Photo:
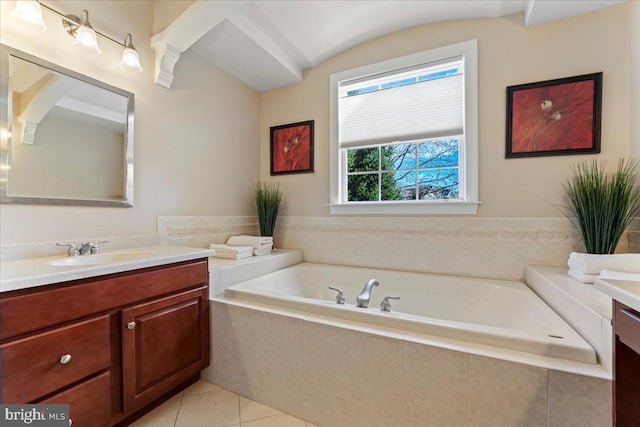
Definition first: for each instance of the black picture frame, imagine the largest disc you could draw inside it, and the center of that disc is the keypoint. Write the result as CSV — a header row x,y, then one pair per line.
x,y
292,148
554,117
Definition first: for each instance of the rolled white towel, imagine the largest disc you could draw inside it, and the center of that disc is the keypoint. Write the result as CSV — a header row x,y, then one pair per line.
x,y
258,242
581,277
619,275
593,264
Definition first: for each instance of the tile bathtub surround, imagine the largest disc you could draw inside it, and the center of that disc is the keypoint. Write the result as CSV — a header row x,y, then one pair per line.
x,y
224,272
340,376
587,310
498,248
201,231
207,405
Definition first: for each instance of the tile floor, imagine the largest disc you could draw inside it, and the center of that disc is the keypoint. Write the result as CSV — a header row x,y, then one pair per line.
x,y
207,405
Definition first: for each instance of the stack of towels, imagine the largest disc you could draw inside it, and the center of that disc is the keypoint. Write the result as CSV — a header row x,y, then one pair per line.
x,y
586,267
238,247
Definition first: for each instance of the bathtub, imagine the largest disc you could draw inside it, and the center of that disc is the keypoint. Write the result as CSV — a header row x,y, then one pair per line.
x,y
496,313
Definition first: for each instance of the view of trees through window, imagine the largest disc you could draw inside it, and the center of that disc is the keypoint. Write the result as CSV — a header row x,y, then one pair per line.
x,y
417,170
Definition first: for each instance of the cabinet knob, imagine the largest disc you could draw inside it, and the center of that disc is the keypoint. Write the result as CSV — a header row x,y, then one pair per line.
x,y
65,359
70,421
131,325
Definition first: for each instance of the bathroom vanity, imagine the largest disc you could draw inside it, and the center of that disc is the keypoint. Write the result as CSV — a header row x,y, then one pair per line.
x,y
626,349
112,346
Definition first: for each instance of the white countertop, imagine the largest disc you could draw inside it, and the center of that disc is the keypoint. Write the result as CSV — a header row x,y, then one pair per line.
x,y
28,273
625,291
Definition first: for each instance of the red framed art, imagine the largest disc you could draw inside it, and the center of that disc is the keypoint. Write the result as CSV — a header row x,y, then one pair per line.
x,y
292,148
554,117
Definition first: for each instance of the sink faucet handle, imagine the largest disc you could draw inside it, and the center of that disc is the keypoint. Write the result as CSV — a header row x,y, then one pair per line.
x,y
340,296
73,248
385,305
94,246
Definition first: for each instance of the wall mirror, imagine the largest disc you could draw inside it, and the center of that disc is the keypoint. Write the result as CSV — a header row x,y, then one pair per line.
x,y
66,139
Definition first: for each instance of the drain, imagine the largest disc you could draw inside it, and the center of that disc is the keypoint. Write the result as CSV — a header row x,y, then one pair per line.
x,y
556,336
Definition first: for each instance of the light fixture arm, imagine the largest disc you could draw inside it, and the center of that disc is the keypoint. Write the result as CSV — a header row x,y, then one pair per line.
x,y
72,22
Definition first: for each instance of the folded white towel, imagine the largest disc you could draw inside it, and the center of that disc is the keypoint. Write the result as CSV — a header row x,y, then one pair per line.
x,y
231,252
258,242
593,264
258,252
619,275
581,277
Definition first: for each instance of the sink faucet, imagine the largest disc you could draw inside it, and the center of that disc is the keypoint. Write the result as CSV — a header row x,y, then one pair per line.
x,y
76,249
363,299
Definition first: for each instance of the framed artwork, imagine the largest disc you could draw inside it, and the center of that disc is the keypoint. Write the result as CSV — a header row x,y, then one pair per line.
x,y
554,117
292,148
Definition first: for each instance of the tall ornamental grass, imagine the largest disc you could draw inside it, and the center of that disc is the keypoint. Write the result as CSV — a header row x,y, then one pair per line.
x,y
268,198
602,205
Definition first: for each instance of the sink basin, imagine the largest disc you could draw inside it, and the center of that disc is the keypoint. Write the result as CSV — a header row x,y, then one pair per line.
x,y
99,259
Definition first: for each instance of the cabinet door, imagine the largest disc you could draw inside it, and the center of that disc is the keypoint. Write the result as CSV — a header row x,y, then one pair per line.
x,y
164,342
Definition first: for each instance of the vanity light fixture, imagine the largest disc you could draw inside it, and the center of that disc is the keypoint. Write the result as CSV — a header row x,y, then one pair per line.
x,y
130,56
29,12
82,31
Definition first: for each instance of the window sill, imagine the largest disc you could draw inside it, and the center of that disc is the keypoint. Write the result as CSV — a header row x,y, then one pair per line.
x,y
448,207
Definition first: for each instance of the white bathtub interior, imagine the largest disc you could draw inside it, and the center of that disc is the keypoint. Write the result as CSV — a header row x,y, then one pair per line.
x,y
497,313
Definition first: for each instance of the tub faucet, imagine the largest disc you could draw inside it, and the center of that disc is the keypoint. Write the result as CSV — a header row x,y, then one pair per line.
x,y
363,299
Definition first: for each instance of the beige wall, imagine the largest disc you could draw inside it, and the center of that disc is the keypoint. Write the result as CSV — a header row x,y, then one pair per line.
x,y
509,54
634,110
166,11
196,144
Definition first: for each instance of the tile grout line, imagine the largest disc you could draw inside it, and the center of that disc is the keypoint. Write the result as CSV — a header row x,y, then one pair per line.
x,y
175,421
468,388
548,393
239,410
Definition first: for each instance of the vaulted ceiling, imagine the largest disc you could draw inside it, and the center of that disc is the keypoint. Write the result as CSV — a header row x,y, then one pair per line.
x,y
267,44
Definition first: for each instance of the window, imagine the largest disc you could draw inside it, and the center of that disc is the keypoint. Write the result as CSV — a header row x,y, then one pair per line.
x,y
404,134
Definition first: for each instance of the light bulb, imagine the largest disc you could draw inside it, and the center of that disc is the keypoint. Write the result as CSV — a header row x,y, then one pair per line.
x,y
29,13
130,56
86,35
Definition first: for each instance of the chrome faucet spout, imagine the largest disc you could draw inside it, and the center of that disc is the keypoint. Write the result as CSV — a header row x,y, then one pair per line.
x,y
362,300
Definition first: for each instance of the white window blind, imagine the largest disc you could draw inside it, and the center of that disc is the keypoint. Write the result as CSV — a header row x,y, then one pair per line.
x,y
419,103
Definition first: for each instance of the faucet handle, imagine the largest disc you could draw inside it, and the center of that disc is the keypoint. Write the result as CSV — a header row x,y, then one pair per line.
x,y
94,248
340,296
385,305
73,248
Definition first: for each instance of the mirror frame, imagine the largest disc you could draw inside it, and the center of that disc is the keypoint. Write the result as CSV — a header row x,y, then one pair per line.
x,y
5,135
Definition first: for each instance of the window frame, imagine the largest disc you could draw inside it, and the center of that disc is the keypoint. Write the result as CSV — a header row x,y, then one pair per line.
x,y
468,153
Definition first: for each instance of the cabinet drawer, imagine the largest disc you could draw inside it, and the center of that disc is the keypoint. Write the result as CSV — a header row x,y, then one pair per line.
x,y
34,366
89,402
628,327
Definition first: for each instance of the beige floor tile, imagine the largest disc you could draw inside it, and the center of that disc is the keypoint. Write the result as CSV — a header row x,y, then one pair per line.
x,y
163,416
281,420
251,410
209,409
203,387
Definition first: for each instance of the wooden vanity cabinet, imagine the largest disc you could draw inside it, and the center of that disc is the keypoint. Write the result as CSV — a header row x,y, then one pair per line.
x,y
626,368
109,346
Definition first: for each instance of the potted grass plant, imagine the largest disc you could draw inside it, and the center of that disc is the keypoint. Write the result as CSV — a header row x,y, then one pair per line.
x,y
268,198
603,205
